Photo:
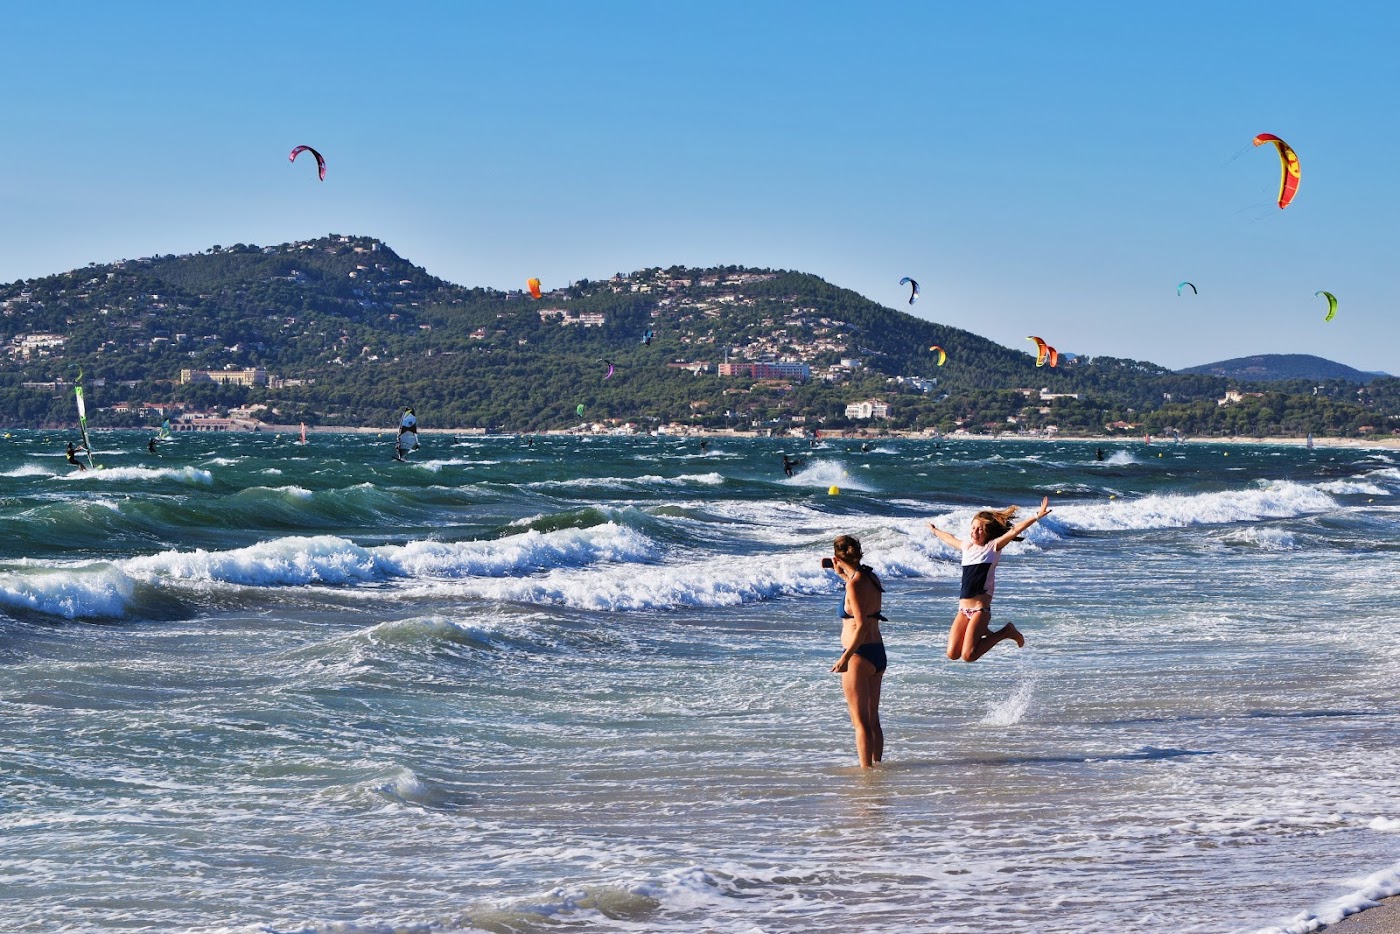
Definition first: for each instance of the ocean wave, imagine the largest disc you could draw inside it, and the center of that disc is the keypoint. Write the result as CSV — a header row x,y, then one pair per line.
x,y
1352,488
621,483
328,559
94,591
1279,499
824,474
190,475
721,581
1368,894
28,470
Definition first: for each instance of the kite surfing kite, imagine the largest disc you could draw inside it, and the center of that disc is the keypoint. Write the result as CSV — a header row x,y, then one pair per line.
x,y
1044,353
579,410
611,367
646,338
320,163
913,288
942,354
1288,185
1331,305
1183,285
534,286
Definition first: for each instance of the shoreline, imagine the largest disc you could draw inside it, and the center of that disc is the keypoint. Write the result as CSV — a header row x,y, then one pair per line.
x,y
1363,443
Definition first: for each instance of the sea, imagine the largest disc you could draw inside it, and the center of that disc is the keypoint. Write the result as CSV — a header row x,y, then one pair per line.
x,y
575,684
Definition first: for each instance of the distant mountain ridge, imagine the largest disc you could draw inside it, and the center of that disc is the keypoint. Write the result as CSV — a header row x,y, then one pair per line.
x,y
1266,368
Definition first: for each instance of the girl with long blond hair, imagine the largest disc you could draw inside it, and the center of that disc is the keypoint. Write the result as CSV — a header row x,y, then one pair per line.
x,y
970,636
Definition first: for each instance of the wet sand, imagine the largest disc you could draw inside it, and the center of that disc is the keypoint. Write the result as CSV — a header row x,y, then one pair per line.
x,y
1384,919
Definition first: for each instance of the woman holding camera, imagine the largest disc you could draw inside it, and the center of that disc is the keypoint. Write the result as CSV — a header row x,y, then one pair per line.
x,y
862,663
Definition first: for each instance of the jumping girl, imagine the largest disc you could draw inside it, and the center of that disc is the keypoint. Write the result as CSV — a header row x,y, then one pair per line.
x,y
970,636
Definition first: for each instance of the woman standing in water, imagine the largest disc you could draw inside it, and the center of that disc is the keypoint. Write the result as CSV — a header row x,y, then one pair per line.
x,y
862,663
970,636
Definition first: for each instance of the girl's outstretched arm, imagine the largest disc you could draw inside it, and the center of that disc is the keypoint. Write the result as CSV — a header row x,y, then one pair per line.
x,y
945,538
1020,527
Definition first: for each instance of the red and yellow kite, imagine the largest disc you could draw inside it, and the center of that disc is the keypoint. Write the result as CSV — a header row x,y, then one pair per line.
x,y
1288,186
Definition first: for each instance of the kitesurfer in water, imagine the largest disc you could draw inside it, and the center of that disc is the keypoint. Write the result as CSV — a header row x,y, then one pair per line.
x,y
970,636
73,455
789,463
151,445
862,662
1098,454
704,445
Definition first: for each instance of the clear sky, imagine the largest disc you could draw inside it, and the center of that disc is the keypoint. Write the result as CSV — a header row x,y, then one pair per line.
x,y
1050,168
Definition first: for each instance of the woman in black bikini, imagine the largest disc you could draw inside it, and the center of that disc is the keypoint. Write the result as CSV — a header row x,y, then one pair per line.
x,y
862,664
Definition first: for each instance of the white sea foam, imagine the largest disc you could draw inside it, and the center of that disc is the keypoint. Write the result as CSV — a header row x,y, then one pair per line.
x,y
1352,487
191,475
1264,537
1273,500
28,470
1012,709
1367,894
824,474
621,483
92,591
327,559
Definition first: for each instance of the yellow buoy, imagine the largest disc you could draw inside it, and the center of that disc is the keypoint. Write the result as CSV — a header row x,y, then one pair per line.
x,y
1113,496
833,491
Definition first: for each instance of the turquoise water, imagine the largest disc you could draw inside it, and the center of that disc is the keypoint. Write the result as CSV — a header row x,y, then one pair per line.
x,y
250,685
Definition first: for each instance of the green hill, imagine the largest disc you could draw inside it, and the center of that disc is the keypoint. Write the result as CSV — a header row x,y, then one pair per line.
x,y
1266,368
347,332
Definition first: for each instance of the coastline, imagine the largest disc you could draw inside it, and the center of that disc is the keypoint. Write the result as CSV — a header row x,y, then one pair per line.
x,y
1362,443
1384,918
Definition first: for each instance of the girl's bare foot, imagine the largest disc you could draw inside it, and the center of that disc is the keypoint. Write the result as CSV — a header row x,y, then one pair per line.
x,y
1010,631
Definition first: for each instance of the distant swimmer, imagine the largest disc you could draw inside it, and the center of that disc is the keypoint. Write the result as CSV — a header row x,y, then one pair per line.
x,y
789,463
862,663
970,636
73,455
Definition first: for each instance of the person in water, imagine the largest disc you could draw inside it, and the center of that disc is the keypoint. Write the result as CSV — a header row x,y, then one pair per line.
x,y
789,463
704,445
151,445
970,636
408,425
862,662
73,455
1098,454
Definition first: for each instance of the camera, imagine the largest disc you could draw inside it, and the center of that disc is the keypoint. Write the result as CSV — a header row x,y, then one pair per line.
x,y
828,563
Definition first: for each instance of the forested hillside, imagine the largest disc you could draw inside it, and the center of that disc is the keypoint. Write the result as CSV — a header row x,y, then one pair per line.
x,y
348,332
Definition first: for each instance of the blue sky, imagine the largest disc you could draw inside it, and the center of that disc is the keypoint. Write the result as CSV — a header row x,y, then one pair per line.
x,y
1041,168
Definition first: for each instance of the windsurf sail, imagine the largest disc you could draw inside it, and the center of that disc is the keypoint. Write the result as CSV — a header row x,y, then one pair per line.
x,y
82,422
1310,441
303,432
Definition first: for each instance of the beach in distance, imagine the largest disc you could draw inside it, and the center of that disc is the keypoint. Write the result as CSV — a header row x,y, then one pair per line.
x,y
582,682
861,436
